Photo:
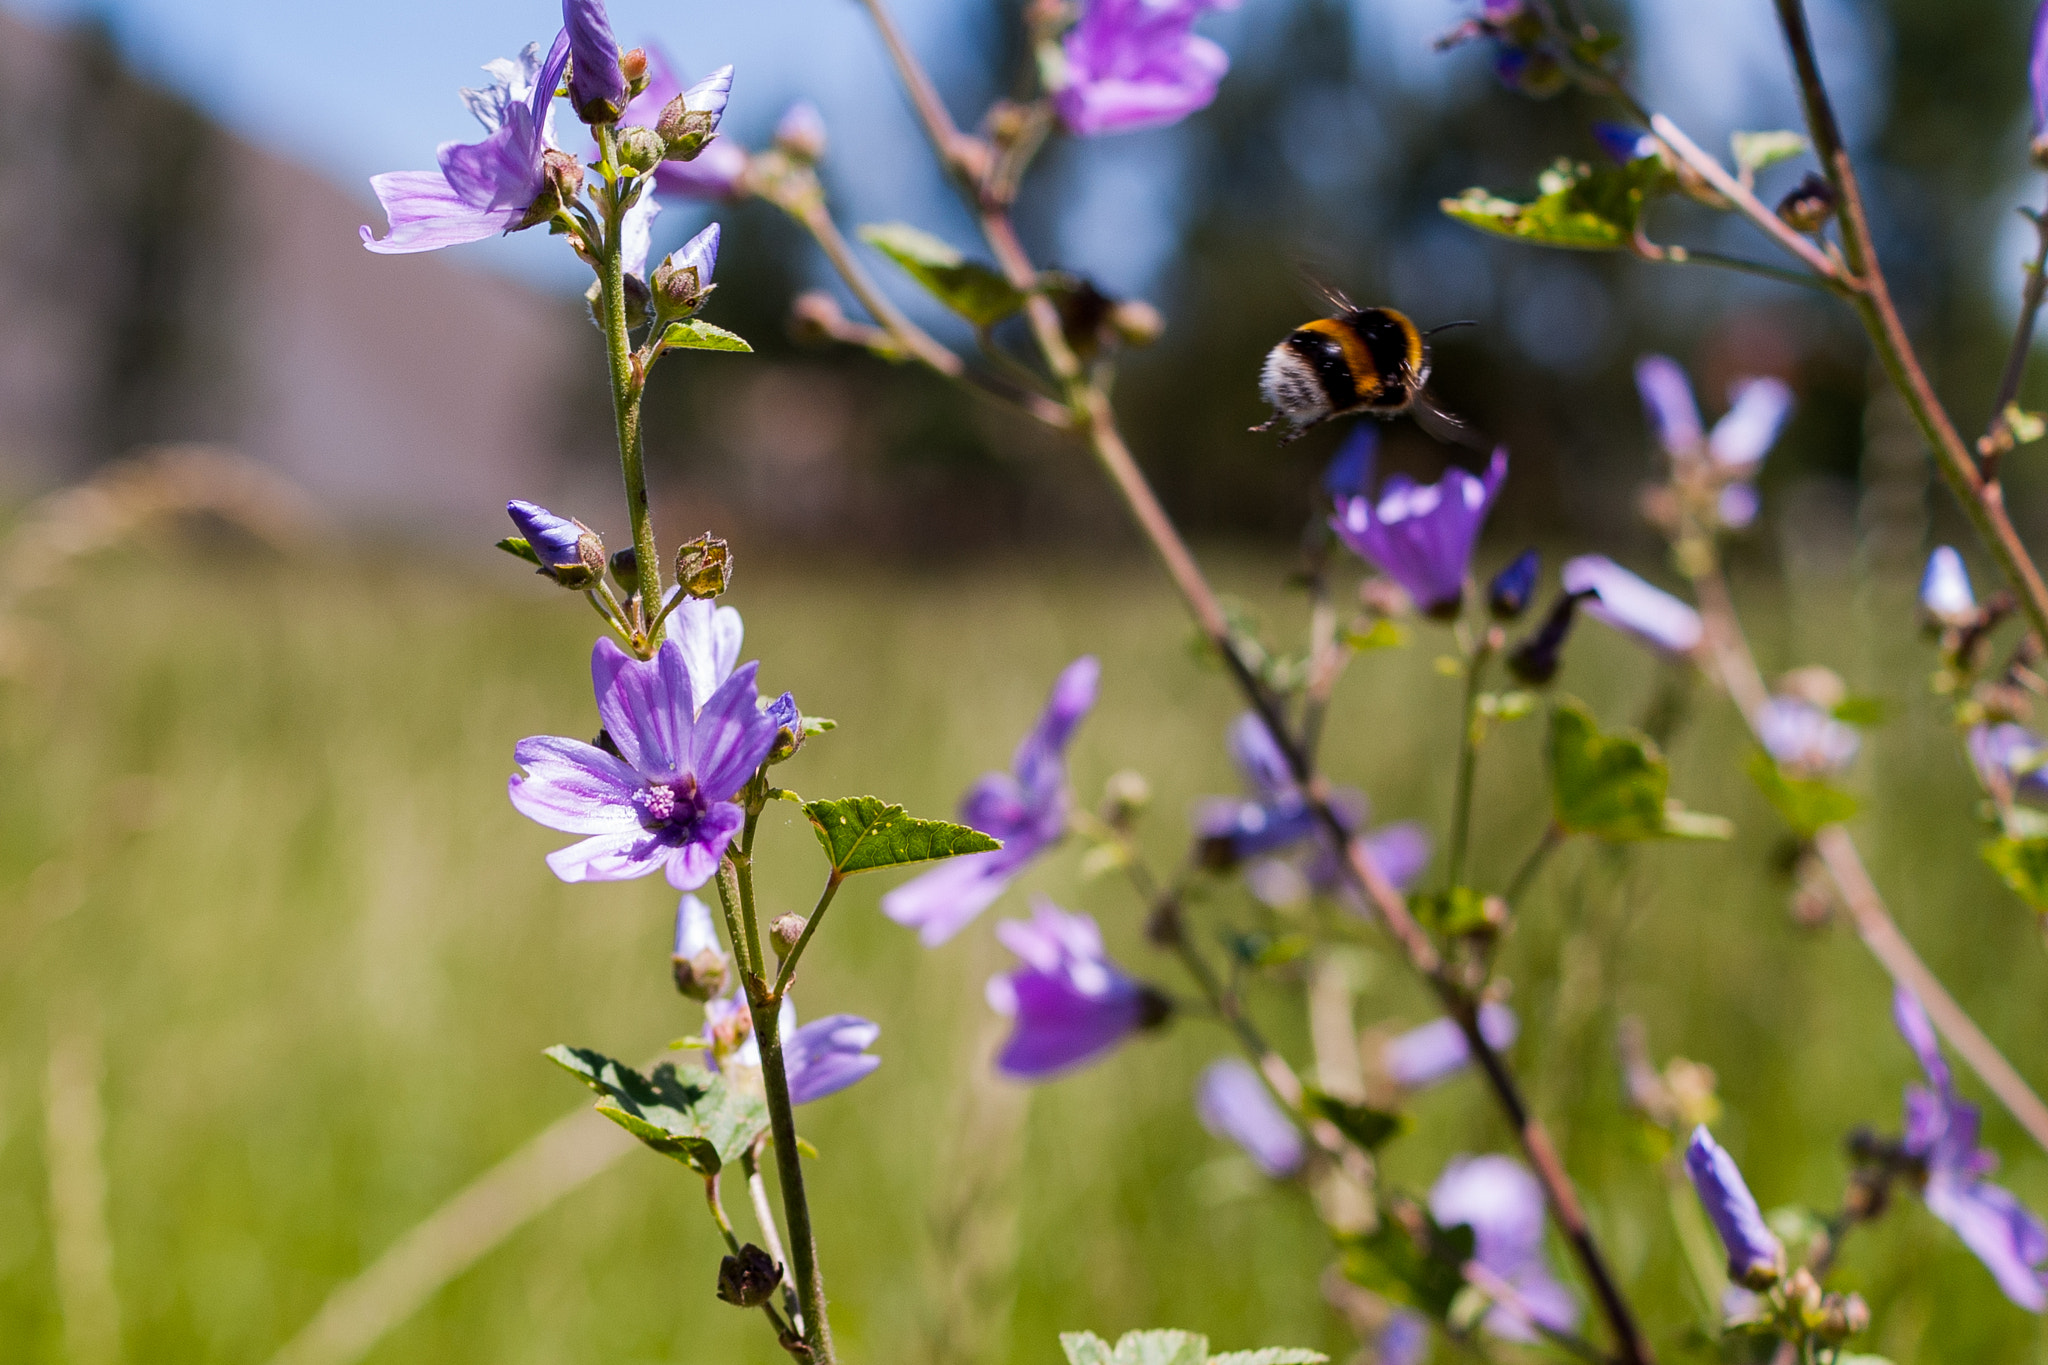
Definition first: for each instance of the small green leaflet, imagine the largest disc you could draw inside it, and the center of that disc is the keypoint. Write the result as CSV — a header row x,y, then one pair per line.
x,y
1167,1347
1613,786
2022,863
1754,151
517,547
694,1117
1368,1127
969,288
1808,804
701,336
862,833
1425,1270
1578,205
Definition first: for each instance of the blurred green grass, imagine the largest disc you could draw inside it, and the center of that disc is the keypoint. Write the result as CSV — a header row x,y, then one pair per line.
x,y
253,824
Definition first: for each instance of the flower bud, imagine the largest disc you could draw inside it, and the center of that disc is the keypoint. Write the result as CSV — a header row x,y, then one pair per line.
x,y
639,302
704,566
1535,660
786,930
1136,322
562,181
789,728
682,283
1509,593
800,134
641,149
633,66
1842,1316
689,122
1809,205
700,966
626,569
597,86
1756,1258
567,551
815,318
748,1280
1124,797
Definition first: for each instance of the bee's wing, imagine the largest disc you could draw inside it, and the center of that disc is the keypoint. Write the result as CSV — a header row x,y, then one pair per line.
x,y
1313,274
1444,427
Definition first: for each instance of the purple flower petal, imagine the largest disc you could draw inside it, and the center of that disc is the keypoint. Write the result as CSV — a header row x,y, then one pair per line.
x,y
636,234
1803,737
1667,398
1622,143
597,87
1422,535
709,637
1258,757
1069,1001
694,861
1919,1034
1040,760
1404,1340
1349,473
645,707
1401,851
1755,1256
714,173
1234,1103
827,1055
1746,432
2009,757
732,736
1945,587
2008,1239
1433,1051
610,857
2037,70
1633,606
427,214
1503,1205
1134,64
574,787
694,933
945,900
556,540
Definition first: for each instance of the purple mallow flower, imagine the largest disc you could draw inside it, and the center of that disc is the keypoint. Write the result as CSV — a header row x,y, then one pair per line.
x,y
665,801
1070,1003
1503,1205
801,131
821,1058
715,172
1234,1103
1511,590
1431,1052
1421,535
2010,759
1403,1339
1805,738
597,87
1737,444
1756,1258
1941,1135
1945,593
1134,64
482,188
1026,808
1627,603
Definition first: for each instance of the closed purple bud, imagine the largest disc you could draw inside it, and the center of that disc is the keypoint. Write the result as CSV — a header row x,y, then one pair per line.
x,y
800,133
2037,81
1808,205
1421,535
1667,398
1536,660
1945,593
1234,1103
682,283
1425,1055
1509,593
1622,143
597,86
689,122
1627,603
569,552
1756,1259
699,964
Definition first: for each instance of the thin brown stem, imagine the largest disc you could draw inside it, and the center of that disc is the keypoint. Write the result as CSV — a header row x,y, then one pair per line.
x,y
1997,438
1745,201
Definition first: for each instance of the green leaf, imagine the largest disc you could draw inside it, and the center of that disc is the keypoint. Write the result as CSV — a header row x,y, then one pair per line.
x,y
2022,863
1456,912
862,833
2026,427
517,547
818,725
1383,633
1579,205
1613,786
701,336
969,288
1161,1346
1754,151
1368,1127
1808,804
1085,1348
1272,1355
695,1116
1423,1270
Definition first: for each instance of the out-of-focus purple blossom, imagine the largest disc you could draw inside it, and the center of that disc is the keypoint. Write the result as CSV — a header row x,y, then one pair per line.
x,y
636,234
715,172
1737,506
1234,1103
1421,535
666,801
482,188
800,132
1805,738
1403,1339
1622,143
1667,398
1747,431
1070,1003
1134,64
1627,603
1945,593
2037,80
1509,594
1756,1258
1503,1205
1026,808
556,541
2010,758
698,962
1349,473
821,1058
597,87
1436,1050
1941,1135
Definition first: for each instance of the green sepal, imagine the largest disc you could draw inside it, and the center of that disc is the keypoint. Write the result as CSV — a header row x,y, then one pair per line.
x,y
1614,786
518,548
1754,151
695,1117
1807,804
1368,1127
1384,633
701,336
1424,1273
862,833
969,288
1579,205
2022,864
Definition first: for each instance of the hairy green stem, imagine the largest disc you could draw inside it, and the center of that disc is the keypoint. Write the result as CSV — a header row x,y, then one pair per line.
x,y
796,1208
1553,835
628,384
1468,763
796,950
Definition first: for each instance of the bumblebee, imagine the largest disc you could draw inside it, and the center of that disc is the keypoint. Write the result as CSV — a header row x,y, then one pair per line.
x,y
1373,361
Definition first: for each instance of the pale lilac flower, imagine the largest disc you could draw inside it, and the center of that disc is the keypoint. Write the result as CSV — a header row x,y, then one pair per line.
x,y
597,87
1667,398
1134,64
1402,1340
818,1059
1234,1103
1747,431
1805,738
1503,1205
1433,1051
1627,603
2037,77
694,933
801,131
2010,758
715,172
1739,441
1945,593
698,961
1069,1001
1421,535
1941,1135
1756,1257
665,801
636,234
555,541
482,188
1737,505
1026,808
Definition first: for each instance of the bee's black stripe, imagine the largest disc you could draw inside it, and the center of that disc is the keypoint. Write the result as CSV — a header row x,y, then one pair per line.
x,y
1325,354
1386,340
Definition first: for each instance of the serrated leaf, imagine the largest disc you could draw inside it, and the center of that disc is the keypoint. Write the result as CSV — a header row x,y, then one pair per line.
x,y
1161,1346
1085,1348
695,1117
1807,804
1368,1127
519,548
969,288
862,833
701,336
2022,864
1271,1355
1754,151
1579,205
1613,786
1425,1274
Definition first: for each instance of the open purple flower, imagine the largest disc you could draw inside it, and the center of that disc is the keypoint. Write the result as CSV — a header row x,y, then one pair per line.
x,y
821,1058
482,188
1739,441
1756,1258
1070,1002
1805,738
1134,64
1234,1103
1632,606
665,801
1433,1051
1421,535
1026,808
709,637
1503,1205
1402,1340
1941,1136
715,172
597,87
2010,759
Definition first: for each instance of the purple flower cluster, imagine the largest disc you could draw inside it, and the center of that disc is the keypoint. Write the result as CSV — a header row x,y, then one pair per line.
x,y
1134,64
1070,1003
1026,808
1737,444
1421,535
1503,1205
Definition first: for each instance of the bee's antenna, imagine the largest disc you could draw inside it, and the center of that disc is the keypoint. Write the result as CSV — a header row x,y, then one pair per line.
x,y
1445,327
